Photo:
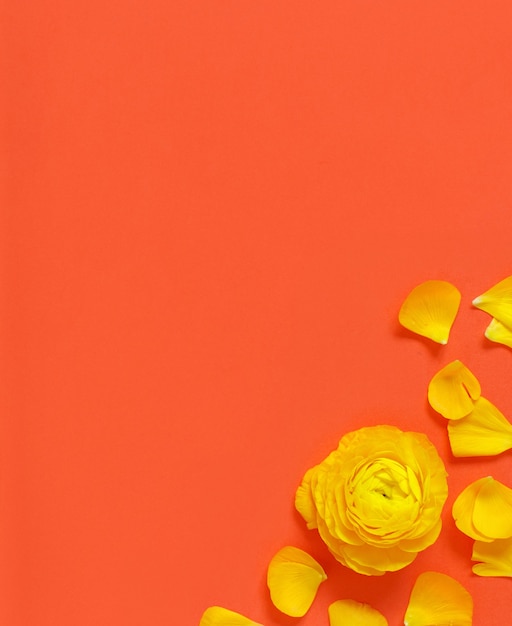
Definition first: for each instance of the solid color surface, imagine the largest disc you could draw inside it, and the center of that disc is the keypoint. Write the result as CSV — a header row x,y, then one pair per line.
x,y
211,214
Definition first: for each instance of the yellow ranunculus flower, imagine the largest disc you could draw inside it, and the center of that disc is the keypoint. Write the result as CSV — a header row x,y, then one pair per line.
x,y
376,500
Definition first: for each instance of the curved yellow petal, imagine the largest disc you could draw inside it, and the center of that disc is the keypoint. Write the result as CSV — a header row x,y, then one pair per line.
x,y
495,558
293,578
492,514
497,301
430,310
218,616
453,390
499,333
438,600
345,612
464,507
420,543
304,502
484,432
388,560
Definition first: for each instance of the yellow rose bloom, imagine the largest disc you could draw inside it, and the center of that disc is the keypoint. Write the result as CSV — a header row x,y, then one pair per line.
x,y
377,499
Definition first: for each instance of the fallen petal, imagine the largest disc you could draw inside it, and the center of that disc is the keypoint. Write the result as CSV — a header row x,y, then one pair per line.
x,y
499,333
344,612
484,432
293,578
495,558
453,390
218,616
464,507
438,600
430,310
497,301
492,514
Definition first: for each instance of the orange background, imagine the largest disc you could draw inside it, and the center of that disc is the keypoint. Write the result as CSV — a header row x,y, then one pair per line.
x,y
211,213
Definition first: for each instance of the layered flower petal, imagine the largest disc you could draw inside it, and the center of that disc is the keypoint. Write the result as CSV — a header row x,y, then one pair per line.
x,y
497,301
438,600
495,557
293,578
484,432
453,390
376,500
483,510
218,616
382,560
499,333
304,502
430,310
344,612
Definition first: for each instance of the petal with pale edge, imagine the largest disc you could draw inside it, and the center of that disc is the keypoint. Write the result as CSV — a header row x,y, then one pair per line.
x,y
495,558
499,333
484,432
438,600
293,578
218,616
344,612
453,390
430,310
497,301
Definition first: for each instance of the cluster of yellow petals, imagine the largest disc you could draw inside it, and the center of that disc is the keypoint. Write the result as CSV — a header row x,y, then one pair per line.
x,y
439,600
497,301
430,310
483,511
293,578
436,600
431,307
476,427
377,499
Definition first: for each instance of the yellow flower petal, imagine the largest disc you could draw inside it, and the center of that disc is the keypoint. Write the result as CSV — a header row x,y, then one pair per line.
x,y
438,600
495,557
484,432
218,616
483,510
344,612
463,510
499,333
304,502
430,310
492,515
389,560
376,500
420,543
293,578
497,301
453,390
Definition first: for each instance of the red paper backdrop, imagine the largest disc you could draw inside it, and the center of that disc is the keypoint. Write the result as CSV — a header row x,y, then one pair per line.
x,y
212,212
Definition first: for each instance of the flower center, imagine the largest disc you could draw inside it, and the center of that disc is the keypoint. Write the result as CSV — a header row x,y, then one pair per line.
x,y
383,496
